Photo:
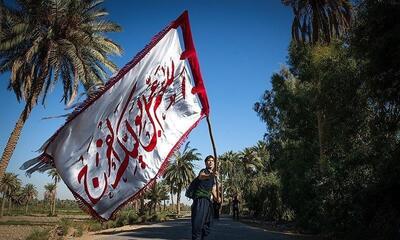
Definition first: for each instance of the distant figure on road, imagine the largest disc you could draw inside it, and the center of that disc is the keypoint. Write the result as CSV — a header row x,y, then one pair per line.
x,y
202,208
235,206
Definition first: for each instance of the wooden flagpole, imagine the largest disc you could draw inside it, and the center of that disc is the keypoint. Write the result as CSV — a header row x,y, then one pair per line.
x,y
214,150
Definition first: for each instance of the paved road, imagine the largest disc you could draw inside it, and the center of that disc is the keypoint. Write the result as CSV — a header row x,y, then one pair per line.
x,y
224,229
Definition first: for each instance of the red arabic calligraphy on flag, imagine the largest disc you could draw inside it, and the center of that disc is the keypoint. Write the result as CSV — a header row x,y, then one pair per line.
x,y
120,142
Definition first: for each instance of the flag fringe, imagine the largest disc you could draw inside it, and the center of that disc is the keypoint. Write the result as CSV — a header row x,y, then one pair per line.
x,y
102,89
41,163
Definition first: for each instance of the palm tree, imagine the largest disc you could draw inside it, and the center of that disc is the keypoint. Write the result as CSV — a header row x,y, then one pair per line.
x,y
14,197
252,162
156,194
56,177
29,192
262,153
317,22
164,192
233,172
44,40
180,172
171,188
50,195
226,169
9,184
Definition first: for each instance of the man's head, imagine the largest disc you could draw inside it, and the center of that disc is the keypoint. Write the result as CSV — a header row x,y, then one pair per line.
x,y
209,161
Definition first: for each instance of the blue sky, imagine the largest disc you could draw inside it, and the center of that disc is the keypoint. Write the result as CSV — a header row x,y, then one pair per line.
x,y
240,44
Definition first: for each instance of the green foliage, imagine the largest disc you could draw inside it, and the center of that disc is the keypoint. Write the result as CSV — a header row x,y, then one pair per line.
x,y
158,217
180,173
156,194
38,235
132,218
120,221
319,21
251,175
65,225
94,226
126,218
50,39
79,231
333,123
264,198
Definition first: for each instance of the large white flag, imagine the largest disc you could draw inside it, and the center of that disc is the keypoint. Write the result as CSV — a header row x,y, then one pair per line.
x,y
116,144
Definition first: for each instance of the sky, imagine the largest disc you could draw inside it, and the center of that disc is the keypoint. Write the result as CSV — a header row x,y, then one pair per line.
x,y
240,44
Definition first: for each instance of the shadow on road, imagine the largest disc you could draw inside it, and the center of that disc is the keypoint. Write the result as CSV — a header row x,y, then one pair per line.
x,y
180,229
176,229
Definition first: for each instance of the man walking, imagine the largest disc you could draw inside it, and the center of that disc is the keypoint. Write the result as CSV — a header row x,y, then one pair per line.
x,y
202,208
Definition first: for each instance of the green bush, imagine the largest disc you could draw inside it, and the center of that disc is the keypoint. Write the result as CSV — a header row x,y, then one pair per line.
x,y
143,218
119,222
79,231
38,235
110,224
65,224
132,218
94,226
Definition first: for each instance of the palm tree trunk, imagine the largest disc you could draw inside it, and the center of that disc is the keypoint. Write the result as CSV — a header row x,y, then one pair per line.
x,y
16,133
141,204
136,205
26,208
13,139
54,206
172,198
315,23
50,206
9,206
3,203
222,191
178,202
55,197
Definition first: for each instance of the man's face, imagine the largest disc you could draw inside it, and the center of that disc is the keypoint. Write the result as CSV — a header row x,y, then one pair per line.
x,y
210,163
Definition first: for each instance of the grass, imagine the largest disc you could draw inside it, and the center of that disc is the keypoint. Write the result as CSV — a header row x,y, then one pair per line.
x,y
26,223
70,226
38,235
79,231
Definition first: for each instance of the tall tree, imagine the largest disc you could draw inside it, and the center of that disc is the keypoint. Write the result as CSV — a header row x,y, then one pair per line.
x,y
9,184
50,195
375,43
180,172
45,40
156,194
252,162
261,151
14,197
231,174
318,22
53,173
29,193
171,188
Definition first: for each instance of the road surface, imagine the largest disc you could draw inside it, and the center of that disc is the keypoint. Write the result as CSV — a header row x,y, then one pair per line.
x,y
224,229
